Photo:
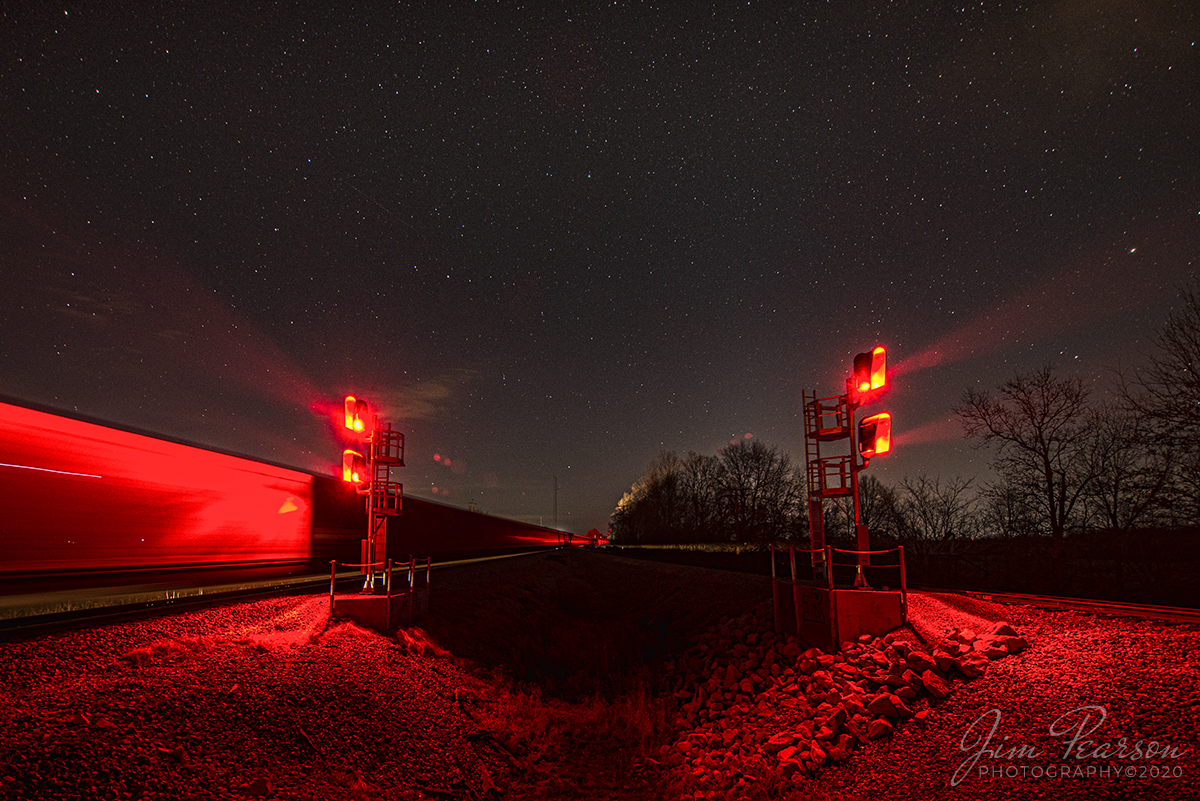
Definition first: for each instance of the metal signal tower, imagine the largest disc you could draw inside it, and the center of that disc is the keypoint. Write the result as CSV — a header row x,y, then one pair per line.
x,y
831,419
373,479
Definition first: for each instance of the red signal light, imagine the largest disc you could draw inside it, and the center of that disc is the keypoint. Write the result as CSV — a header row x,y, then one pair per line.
x,y
870,370
354,467
875,435
356,414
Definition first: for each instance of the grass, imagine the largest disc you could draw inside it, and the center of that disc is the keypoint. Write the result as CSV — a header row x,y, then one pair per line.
x,y
592,747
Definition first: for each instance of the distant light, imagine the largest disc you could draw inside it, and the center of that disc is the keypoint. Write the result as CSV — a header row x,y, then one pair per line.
x,y
1133,250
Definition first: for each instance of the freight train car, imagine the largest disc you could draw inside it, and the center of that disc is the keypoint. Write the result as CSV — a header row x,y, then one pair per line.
x,y
78,496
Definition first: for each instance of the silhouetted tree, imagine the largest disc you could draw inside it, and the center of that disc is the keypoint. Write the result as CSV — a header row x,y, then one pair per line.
x,y
879,508
1006,511
652,510
1039,425
760,492
1133,474
938,518
700,480
1166,395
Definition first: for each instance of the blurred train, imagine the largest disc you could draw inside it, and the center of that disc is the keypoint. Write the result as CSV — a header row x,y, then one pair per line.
x,y
79,497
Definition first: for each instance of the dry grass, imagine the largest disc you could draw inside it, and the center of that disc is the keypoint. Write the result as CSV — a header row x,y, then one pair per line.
x,y
594,747
568,648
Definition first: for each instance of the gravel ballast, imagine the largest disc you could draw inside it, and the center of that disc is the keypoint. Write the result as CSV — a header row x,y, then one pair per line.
x,y
267,699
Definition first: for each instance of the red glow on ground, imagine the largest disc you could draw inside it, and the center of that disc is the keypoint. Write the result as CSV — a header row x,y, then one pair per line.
x,y
79,495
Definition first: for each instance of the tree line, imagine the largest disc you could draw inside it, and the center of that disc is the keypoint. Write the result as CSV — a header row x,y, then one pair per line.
x,y
749,492
1064,462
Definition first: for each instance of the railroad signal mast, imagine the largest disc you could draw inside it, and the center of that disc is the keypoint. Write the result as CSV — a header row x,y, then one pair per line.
x,y
368,466
831,420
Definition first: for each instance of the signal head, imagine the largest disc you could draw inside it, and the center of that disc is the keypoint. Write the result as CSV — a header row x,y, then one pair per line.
x,y
875,435
354,467
870,370
356,414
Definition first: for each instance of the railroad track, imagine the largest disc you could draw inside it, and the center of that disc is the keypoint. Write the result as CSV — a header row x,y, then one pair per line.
x,y
1177,614
24,616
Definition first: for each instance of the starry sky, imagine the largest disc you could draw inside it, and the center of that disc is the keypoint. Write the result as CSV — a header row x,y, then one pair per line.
x,y
550,240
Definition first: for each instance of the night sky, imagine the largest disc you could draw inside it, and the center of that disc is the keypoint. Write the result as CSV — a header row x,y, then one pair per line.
x,y
553,241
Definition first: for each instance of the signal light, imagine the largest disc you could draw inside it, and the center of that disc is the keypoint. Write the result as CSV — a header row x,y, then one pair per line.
x,y
875,435
354,467
870,370
356,414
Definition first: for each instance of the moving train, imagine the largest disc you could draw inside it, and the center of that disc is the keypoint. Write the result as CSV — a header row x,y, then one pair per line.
x,y
79,497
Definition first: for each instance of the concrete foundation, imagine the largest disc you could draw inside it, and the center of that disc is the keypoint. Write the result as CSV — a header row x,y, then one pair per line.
x,y
382,613
825,618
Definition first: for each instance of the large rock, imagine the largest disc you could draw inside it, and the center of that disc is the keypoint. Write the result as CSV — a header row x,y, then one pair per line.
x,y
878,728
943,660
919,662
779,742
991,647
935,685
973,665
841,749
790,767
1016,645
889,704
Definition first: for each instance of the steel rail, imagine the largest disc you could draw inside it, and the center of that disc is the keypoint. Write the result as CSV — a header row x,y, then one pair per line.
x,y
151,602
1177,614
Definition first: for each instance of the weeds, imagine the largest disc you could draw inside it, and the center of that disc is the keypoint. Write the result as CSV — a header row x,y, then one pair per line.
x,y
551,740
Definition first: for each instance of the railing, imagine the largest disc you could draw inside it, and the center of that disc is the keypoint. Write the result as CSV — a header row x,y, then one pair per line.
x,y
371,567
858,575
859,581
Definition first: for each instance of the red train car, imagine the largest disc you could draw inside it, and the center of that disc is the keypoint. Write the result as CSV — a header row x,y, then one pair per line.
x,y
83,497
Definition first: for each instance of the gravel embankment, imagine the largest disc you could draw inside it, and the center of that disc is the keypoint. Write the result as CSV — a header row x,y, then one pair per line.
x,y
1144,674
251,700
263,699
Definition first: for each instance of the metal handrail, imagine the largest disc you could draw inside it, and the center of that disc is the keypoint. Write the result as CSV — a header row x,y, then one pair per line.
x,y
889,550
828,550
411,566
903,573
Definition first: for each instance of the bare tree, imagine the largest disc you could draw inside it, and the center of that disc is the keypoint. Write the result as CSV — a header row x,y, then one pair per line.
x,y
1132,474
652,509
1166,394
760,491
938,517
879,508
1004,511
1039,426
700,480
